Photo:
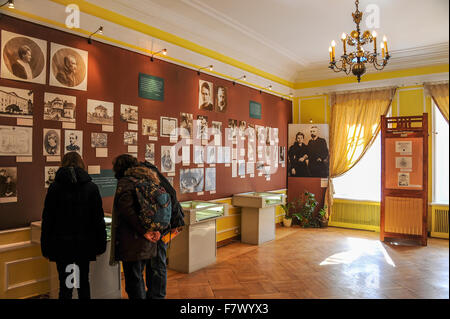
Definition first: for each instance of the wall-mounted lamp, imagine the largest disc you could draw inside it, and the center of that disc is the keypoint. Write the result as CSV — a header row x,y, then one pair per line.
x,y
266,88
291,95
10,4
243,78
163,51
210,67
99,31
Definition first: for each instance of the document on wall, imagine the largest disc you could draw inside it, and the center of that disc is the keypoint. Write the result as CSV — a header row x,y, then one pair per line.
x,y
186,155
234,169
101,152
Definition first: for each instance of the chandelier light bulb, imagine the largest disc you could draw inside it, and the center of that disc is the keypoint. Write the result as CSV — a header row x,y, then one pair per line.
x,y
333,43
344,36
384,39
374,34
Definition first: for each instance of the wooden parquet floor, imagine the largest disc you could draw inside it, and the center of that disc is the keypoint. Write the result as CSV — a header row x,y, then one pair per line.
x,y
329,263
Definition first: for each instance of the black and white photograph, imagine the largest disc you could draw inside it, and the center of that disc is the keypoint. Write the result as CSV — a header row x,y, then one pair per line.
x,y
16,141
100,112
167,159
221,99
130,138
58,107
73,141
150,153
99,140
242,127
68,67
216,128
50,174
23,58
199,154
16,102
227,154
261,133
403,162
251,132
308,154
211,154
220,155
275,135
52,142
169,127
8,182
282,155
268,135
241,168
205,96
150,127
233,129
202,127
403,179
210,179
191,180
186,125
129,113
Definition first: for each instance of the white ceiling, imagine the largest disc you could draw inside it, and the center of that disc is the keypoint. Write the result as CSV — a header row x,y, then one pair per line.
x,y
290,38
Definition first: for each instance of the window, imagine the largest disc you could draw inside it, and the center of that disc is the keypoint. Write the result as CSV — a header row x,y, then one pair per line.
x,y
363,181
440,156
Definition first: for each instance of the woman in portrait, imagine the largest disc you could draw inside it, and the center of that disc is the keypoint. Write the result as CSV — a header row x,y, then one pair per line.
x,y
298,154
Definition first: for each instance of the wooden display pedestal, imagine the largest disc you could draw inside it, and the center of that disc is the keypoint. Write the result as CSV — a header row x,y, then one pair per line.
x,y
257,225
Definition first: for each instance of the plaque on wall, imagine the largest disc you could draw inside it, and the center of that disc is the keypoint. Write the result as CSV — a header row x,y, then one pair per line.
x,y
16,141
255,110
151,87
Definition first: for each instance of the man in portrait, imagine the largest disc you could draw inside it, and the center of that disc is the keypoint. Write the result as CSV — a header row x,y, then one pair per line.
x,y
221,105
205,96
73,140
51,143
51,176
67,74
317,154
21,68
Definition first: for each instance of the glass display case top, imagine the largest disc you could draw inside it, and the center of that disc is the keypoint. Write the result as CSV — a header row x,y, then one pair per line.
x,y
204,210
269,198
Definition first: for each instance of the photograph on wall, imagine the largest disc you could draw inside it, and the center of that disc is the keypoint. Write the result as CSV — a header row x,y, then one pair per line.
x,y
261,133
167,159
169,127
23,58
68,67
150,153
52,142
227,155
205,96
216,128
100,112
221,99
308,154
16,141
268,135
403,147
199,154
59,107
150,127
8,182
130,138
251,153
211,154
50,174
186,125
403,179
99,140
233,128
16,102
242,128
210,179
241,168
202,127
403,162
282,154
191,180
128,113
220,155
251,132
275,135
73,142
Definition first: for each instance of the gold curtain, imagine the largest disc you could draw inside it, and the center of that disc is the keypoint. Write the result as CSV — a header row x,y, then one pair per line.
x,y
355,123
439,93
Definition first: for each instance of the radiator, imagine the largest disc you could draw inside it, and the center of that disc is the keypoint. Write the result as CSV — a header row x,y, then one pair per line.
x,y
439,221
355,214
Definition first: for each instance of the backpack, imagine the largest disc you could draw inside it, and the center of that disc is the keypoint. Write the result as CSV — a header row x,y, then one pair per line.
x,y
155,205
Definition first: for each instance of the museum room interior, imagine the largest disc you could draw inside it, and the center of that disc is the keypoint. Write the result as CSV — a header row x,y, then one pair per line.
x,y
307,142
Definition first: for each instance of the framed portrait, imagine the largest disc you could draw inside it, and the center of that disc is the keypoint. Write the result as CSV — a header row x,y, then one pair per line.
x,y
52,142
50,174
150,127
167,159
73,141
8,184
169,127
186,125
130,138
16,102
205,96
100,112
202,127
58,107
191,180
23,58
16,141
68,67
242,128
216,128
99,140
129,113
233,128
220,104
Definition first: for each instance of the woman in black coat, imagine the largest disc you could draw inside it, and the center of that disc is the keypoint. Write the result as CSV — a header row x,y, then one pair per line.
x,y
73,226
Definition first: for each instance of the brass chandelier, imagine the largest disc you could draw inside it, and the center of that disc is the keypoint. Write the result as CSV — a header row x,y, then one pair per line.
x,y
356,61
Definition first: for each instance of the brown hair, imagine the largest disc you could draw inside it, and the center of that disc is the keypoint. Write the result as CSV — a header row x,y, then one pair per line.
x,y
72,159
123,162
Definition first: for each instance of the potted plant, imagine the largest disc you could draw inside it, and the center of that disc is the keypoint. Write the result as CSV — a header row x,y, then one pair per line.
x,y
287,218
323,218
306,207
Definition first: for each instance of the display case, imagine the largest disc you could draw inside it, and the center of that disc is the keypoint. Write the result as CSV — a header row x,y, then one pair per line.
x,y
195,247
258,215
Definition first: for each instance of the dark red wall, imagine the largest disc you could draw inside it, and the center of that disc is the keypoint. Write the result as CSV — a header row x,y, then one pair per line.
x,y
113,77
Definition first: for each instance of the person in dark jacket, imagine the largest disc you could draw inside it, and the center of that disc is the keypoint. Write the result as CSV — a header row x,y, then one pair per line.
x,y
73,226
297,155
133,244
156,268
317,154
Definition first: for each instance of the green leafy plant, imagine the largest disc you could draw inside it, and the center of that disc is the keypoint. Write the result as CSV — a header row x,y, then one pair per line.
x,y
287,209
305,208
